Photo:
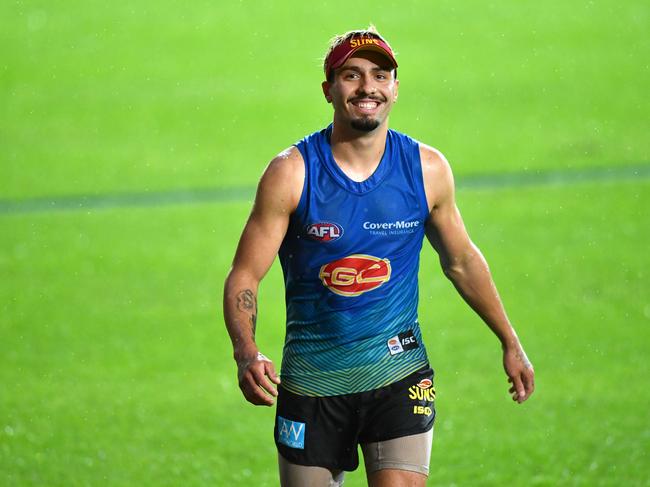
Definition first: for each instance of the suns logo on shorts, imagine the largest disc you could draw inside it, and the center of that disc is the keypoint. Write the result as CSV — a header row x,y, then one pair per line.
x,y
324,231
423,391
355,274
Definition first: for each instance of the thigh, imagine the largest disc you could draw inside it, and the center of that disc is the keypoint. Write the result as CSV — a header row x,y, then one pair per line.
x,y
403,408
293,475
317,431
406,454
396,478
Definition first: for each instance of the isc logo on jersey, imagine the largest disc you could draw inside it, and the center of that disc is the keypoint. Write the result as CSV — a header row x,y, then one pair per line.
x,y
324,231
402,342
355,274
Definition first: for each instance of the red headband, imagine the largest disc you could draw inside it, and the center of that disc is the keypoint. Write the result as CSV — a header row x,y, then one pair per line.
x,y
343,51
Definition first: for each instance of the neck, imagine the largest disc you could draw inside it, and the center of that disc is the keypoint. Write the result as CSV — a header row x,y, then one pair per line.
x,y
358,153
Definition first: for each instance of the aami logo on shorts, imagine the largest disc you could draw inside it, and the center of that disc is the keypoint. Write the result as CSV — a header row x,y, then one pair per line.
x,y
291,433
355,274
324,231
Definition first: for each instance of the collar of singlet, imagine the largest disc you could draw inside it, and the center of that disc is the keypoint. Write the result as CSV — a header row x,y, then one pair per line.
x,y
357,187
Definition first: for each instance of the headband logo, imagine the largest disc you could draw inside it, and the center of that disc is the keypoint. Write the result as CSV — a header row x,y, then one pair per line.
x,y
363,41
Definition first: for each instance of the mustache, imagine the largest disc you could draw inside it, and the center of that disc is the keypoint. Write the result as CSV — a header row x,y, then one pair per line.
x,y
368,97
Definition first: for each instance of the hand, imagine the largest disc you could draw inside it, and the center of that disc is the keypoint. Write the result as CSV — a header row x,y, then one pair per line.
x,y
520,373
254,374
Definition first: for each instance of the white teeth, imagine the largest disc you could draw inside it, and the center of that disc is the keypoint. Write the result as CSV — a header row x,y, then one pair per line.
x,y
368,105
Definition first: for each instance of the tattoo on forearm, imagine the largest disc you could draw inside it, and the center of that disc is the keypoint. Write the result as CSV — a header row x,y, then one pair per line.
x,y
247,303
253,321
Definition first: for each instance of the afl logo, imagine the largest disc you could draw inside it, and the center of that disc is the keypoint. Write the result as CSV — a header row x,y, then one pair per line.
x,y
425,383
324,232
355,274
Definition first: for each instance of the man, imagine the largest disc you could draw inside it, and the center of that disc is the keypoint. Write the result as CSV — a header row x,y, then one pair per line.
x,y
347,209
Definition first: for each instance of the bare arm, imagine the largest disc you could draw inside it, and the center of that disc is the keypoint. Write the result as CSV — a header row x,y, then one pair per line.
x,y
463,263
277,197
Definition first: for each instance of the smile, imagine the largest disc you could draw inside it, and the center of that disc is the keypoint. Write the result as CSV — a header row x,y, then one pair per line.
x,y
366,105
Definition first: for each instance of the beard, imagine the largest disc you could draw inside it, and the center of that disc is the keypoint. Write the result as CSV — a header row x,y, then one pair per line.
x,y
365,124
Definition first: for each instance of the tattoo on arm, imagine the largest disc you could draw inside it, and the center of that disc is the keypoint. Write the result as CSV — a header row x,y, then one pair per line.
x,y
253,321
247,303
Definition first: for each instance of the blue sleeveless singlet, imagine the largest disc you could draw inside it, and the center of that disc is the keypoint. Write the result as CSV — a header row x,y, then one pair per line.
x,y
350,260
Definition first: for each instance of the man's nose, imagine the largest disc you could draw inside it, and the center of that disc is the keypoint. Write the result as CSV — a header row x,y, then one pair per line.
x,y
367,86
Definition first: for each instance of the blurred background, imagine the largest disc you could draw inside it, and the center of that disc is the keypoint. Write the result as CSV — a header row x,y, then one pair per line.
x,y
132,136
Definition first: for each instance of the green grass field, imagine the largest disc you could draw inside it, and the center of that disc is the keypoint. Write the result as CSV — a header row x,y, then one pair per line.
x,y
115,366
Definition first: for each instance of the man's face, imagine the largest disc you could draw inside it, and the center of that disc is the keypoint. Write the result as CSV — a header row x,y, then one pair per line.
x,y
363,91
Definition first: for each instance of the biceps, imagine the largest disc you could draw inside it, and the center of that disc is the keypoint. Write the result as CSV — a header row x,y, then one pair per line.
x,y
259,243
447,234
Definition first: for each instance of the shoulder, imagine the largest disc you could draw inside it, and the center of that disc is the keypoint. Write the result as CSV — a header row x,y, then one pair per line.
x,y
286,163
283,178
434,162
436,174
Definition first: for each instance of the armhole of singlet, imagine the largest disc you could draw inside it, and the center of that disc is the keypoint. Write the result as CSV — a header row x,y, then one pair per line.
x,y
303,194
419,178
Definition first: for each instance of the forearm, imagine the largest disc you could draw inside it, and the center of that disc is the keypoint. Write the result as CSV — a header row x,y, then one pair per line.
x,y
255,373
471,277
240,313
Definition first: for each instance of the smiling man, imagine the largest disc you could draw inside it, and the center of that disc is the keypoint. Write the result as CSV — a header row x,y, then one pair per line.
x,y
347,209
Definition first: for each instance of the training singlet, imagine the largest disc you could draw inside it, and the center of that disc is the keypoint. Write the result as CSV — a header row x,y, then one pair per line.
x,y
350,260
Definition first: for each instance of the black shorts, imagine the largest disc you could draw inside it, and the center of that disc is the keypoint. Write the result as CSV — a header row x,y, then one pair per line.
x,y
326,431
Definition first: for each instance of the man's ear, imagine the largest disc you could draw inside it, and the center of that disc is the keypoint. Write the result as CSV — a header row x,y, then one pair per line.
x,y
326,91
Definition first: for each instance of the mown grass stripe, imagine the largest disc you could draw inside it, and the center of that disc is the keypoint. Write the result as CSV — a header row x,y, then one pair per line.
x,y
561,177
133,199
244,193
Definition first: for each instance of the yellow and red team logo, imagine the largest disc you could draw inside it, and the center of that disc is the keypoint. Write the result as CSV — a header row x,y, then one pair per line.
x,y
423,391
355,274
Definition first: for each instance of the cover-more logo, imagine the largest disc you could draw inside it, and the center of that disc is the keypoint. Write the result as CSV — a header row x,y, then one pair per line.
x,y
355,274
396,225
324,231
